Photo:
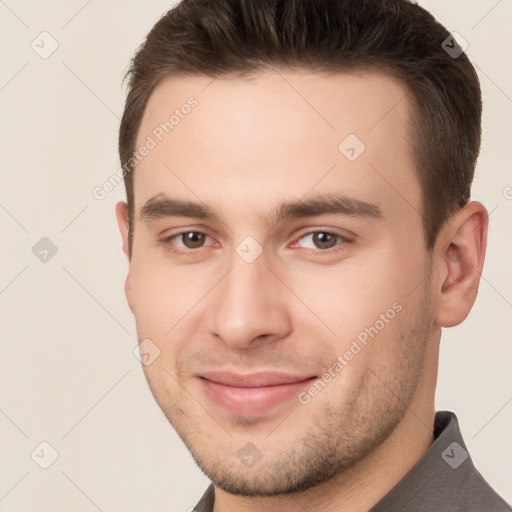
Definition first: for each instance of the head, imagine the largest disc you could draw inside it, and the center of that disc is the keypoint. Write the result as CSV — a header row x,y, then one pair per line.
x,y
301,207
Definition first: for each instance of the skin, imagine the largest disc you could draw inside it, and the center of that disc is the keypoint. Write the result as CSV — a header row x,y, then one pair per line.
x,y
248,146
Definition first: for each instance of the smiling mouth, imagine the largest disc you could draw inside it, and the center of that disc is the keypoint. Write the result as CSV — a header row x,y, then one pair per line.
x,y
252,394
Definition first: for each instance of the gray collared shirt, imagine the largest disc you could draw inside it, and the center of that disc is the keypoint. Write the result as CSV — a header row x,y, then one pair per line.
x,y
443,480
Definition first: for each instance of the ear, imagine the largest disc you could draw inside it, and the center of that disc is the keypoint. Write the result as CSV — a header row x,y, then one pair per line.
x,y
123,223
460,253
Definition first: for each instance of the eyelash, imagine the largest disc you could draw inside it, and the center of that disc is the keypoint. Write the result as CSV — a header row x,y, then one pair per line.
x,y
343,240
340,245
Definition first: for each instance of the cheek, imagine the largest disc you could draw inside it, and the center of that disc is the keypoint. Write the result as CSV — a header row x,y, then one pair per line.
x,y
151,302
162,295
350,297
365,306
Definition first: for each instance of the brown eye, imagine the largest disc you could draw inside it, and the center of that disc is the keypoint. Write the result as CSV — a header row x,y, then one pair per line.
x,y
188,243
192,239
324,240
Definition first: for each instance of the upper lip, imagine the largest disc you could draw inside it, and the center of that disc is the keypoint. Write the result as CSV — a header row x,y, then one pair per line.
x,y
253,380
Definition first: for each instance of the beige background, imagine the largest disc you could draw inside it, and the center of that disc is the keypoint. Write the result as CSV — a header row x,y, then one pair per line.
x,y
67,372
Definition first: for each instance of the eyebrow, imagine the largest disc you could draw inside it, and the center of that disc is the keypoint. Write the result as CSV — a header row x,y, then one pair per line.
x,y
161,206
327,204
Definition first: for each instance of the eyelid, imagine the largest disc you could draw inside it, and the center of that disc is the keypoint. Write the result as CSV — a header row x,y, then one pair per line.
x,y
342,240
349,236
168,239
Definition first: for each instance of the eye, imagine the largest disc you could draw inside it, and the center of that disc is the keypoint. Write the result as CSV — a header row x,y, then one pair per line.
x,y
188,239
321,240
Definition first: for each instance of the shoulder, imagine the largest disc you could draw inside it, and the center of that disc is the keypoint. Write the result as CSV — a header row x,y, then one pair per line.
x,y
478,496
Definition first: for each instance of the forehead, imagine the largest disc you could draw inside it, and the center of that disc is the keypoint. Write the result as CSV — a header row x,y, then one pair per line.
x,y
277,133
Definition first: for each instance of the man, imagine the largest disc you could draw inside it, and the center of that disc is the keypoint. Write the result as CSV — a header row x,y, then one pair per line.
x,y
299,230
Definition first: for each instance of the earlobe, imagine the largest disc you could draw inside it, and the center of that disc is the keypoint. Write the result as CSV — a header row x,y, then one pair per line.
x,y
460,252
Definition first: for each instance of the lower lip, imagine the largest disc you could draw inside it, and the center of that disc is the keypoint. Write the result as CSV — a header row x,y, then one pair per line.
x,y
251,401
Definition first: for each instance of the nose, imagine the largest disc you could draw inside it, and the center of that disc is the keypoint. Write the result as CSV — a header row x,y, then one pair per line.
x,y
248,306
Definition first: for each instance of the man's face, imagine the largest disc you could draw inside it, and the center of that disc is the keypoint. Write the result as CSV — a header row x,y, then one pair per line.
x,y
327,300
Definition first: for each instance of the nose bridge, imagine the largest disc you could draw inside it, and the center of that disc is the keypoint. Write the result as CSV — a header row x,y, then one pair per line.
x,y
247,304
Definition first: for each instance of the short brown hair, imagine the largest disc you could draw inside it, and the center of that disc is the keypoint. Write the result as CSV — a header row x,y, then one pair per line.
x,y
241,37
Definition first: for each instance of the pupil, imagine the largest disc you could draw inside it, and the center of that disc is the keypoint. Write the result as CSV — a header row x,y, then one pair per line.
x,y
324,240
193,239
